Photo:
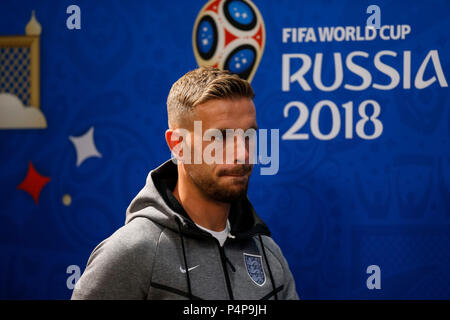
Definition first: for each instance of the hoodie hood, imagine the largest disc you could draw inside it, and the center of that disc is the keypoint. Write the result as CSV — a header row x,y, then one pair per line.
x,y
156,202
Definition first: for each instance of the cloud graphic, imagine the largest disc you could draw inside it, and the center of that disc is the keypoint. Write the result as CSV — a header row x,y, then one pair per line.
x,y
14,115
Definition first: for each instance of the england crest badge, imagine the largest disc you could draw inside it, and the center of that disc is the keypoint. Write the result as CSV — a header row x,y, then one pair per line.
x,y
255,269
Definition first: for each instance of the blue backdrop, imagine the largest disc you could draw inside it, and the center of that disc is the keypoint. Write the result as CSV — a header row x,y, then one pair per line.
x,y
335,206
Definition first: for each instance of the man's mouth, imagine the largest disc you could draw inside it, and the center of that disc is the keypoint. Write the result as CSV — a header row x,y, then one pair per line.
x,y
241,172
236,174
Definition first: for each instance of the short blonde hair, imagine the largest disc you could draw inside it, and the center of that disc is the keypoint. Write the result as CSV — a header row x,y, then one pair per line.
x,y
199,86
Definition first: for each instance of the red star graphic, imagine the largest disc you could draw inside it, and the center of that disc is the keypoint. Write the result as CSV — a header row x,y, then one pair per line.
x,y
33,183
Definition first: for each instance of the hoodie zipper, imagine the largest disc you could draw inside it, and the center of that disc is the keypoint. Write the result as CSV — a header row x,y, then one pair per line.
x,y
225,271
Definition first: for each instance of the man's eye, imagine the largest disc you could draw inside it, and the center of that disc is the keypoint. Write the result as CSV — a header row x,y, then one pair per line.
x,y
218,138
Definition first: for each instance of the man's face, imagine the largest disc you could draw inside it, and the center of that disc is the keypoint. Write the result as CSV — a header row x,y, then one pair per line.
x,y
227,180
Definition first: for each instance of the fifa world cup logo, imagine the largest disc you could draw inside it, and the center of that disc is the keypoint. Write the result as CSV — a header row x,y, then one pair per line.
x,y
230,35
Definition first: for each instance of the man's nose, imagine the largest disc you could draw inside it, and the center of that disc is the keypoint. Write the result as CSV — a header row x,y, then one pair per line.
x,y
241,150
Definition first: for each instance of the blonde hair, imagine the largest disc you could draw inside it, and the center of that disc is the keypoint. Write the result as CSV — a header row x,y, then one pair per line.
x,y
199,86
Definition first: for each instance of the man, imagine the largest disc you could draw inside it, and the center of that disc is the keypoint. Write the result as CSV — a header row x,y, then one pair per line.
x,y
191,231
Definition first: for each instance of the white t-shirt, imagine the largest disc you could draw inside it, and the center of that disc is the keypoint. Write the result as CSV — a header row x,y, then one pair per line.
x,y
221,236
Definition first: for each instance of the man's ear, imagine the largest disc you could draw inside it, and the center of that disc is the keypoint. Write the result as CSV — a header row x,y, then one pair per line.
x,y
175,140
171,138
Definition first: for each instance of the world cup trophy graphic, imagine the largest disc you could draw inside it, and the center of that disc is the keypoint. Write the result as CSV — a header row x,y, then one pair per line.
x,y
229,35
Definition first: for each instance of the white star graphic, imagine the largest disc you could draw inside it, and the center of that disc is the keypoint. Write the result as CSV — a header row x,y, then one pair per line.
x,y
85,146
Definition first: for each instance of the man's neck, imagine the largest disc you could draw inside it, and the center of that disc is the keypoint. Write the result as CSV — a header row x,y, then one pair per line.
x,y
202,210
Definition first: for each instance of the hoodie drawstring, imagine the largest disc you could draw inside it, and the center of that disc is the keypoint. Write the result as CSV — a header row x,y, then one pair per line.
x,y
185,260
188,280
268,267
230,264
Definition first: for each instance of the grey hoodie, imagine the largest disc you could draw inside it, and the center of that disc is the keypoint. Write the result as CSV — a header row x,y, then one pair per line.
x,y
161,254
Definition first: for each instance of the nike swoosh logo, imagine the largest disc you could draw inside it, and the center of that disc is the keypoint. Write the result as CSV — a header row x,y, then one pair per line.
x,y
189,269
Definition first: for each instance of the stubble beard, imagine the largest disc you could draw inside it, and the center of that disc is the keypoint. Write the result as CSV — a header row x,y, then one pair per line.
x,y
211,187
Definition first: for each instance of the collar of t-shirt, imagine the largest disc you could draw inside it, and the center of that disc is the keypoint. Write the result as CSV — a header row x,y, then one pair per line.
x,y
221,236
